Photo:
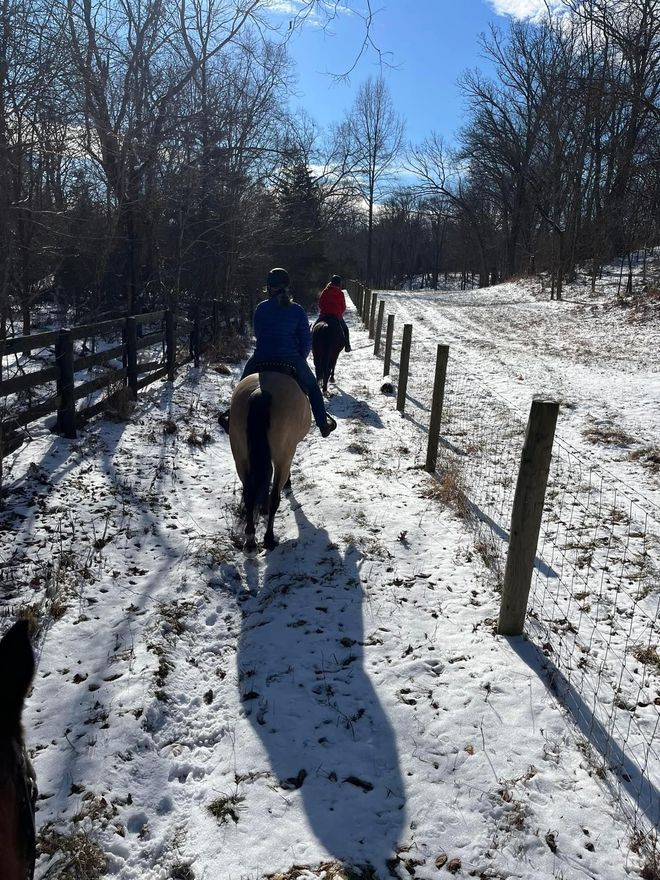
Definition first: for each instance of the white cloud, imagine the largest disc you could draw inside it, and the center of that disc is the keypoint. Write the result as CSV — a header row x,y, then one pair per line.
x,y
524,8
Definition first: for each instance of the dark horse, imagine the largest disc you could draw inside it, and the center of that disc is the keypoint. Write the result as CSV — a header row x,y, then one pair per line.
x,y
269,416
327,341
17,782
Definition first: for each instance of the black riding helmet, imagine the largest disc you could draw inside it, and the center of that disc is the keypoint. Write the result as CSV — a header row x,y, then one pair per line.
x,y
278,279
336,279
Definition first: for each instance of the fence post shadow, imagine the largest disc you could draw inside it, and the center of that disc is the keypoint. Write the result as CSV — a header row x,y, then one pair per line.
x,y
641,790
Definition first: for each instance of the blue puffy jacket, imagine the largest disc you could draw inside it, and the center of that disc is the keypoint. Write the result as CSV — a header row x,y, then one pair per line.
x,y
282,331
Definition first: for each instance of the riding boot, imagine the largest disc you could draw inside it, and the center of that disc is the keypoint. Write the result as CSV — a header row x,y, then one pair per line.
x,y
329,427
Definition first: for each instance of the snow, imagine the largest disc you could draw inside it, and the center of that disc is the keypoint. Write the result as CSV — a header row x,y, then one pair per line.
x,y
343,699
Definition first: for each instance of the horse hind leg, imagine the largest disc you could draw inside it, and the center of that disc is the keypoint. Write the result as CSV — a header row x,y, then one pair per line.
x,y
281,481
270,541
250,543
333,364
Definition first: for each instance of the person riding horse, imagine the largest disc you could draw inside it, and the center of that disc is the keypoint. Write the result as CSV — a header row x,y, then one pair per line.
x,y
332,304
282,332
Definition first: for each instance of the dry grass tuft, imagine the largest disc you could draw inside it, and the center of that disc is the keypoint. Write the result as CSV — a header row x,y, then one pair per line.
x,y
73,856
119,405
226,808
199,438
448,490
646,846
648,457
328,871
31,613
609,435
649,656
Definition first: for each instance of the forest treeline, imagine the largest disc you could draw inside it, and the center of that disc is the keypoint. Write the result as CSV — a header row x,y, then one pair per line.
x,y
149,158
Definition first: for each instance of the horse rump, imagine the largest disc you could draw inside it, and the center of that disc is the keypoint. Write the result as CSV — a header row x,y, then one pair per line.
x,y
327,342
269,416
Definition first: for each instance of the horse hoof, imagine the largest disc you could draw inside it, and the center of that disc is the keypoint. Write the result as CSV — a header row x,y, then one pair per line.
x,y
250,547
270,542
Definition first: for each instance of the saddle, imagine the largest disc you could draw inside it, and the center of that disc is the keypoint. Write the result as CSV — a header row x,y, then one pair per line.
x,y
331,321
275,367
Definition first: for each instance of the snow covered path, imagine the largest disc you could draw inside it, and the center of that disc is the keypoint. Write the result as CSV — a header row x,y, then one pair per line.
x,y
343,699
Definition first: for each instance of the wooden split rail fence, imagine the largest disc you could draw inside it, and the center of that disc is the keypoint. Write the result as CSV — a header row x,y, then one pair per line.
x,y
134,374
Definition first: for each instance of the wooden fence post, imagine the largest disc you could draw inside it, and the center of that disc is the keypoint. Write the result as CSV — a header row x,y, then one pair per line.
x,y
215,322
379,327
366,307
372,316
404,366
436,407
526,515
170,344
66,412
131,355
389,337
196,338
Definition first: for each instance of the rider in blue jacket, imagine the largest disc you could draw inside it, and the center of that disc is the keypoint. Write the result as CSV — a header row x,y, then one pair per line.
x,y
282,332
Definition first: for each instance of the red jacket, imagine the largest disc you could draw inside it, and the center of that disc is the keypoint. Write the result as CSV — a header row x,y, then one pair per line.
x,y
332,301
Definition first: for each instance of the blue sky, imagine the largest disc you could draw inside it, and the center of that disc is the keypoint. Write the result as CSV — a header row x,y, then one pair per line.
x,y
429,43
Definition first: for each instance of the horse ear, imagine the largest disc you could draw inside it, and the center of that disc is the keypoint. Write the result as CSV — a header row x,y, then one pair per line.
x,y
16,672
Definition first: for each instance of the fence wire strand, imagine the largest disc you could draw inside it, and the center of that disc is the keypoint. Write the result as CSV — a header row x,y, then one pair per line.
x,y
594,605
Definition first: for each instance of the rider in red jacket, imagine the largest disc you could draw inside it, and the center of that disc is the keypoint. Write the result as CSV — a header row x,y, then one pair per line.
x,y
333,302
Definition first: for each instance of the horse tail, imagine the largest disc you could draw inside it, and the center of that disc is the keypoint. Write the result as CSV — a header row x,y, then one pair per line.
x,y
260,466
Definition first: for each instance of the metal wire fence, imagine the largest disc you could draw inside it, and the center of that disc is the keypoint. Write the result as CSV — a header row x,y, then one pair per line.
x,y
593,614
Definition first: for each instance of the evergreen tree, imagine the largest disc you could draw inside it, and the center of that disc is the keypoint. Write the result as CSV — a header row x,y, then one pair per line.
x,y
299,243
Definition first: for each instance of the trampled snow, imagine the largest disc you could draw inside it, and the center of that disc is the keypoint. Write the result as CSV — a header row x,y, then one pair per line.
x,y
343,699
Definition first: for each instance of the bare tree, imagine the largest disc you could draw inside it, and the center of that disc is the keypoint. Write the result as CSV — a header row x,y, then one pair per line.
x,y
431,163
376,133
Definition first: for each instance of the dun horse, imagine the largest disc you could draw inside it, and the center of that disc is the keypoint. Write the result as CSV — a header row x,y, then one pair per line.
x,y
327,341
269,416
17,786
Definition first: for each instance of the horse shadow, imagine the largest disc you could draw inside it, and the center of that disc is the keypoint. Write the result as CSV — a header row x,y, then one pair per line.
x,y
311,702
343,405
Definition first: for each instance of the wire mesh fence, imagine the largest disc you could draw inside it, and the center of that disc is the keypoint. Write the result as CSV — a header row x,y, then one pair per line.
x,y
593,614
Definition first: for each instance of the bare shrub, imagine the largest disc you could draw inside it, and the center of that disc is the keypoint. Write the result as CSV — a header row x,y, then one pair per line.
x,y
232,348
